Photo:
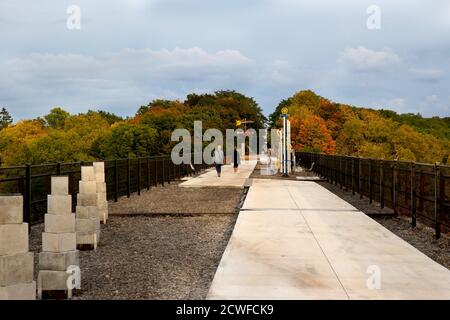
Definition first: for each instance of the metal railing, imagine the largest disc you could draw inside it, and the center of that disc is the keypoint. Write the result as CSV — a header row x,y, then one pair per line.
x,y
418,190
123,177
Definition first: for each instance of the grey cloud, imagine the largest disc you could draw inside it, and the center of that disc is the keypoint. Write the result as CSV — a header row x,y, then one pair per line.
x,y
364,59
431,75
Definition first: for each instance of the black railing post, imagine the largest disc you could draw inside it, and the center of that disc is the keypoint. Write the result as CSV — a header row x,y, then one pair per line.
x,y
353,176
155,161
148,173
394,186
360,178
413,195
139,176
370,181
128,178
169,171
163,171
346,173
437,197
441,196
381,184
332,170
58,169
27,197
116,181
335,174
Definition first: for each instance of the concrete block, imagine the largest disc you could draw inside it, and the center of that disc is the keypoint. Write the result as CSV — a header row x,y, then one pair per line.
x,y
87,173
60,186
103,215
97,224
99,170
87,186
87,199
86,226
57,223
101,187
83,239
13,238
102,204
17,268
58,261
22,291
100,176
11,209
59,204
86,212
58,242
52,280
99,167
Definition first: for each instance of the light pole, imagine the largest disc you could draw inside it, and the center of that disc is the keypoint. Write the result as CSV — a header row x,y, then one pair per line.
x,y
284,115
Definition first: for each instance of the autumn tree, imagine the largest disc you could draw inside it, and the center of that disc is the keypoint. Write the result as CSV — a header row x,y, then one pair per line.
x,y
363,132
15,141
310,133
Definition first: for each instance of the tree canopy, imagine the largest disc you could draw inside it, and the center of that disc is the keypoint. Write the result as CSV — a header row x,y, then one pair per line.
x,y
320,125
62,137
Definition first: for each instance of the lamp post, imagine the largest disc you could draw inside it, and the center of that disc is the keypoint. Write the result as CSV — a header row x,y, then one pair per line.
x,y
284,115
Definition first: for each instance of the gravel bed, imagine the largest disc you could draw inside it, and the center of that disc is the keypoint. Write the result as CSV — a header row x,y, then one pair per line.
x,y
164,244
152,257
422,237
172,199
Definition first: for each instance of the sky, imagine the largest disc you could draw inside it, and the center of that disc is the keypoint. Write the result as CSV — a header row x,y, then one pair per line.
x,y
126,53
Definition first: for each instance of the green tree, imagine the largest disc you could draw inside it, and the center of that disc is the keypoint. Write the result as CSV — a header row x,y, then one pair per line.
x,y
126,140
56,118
5,118
110,117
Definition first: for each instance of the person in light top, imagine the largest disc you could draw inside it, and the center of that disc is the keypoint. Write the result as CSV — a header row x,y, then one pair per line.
x,y
219,159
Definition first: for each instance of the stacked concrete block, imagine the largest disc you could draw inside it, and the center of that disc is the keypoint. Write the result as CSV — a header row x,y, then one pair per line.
x,y
87,222
102,202
16,263
59,252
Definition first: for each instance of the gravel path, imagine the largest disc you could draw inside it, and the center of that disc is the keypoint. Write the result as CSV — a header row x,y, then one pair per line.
x,y
422,237
159,257
170,252
172,199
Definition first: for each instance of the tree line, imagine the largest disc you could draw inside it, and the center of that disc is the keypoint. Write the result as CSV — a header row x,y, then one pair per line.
x,y
317,125
320,125
62,137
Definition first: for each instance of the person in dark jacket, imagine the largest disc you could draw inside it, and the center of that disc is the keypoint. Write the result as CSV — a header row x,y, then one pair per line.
x,y
236,159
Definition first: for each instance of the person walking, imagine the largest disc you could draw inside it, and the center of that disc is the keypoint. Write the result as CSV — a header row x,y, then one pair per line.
x,y
236,159
218,159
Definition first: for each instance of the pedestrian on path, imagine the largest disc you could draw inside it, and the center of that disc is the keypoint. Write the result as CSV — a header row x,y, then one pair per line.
x,y
236,159
218,159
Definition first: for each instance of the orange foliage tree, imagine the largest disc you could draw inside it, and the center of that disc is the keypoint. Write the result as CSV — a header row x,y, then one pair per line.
x,y
310,133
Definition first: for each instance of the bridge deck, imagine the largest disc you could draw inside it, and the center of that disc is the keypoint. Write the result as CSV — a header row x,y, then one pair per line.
x,y
228,179
297,240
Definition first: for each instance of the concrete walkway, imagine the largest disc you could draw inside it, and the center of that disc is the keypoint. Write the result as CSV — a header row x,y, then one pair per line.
x,y
297,240
228,179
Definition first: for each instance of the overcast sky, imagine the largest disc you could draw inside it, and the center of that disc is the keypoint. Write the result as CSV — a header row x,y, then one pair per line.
x,y
129,52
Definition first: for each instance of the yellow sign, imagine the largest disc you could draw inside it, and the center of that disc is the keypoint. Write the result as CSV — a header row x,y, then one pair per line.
x,y
284,110
238,122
